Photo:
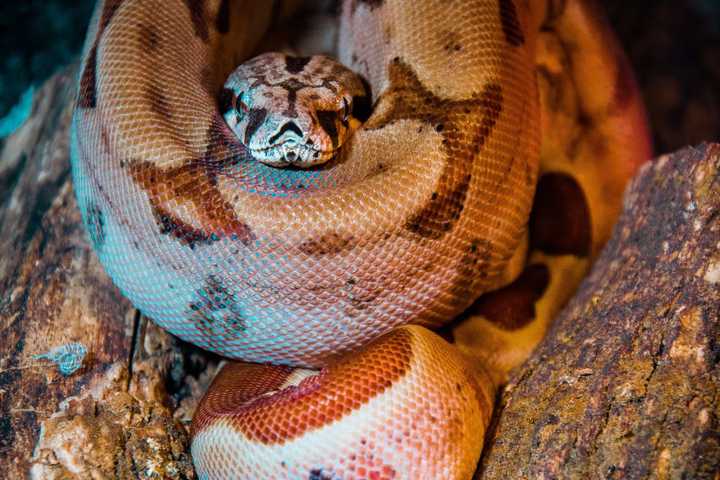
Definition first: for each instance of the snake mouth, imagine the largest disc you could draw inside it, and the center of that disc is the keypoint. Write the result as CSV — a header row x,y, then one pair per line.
x,y
292,154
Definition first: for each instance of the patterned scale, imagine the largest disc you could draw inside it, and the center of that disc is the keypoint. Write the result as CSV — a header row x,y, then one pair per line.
x,y
407,406
420,214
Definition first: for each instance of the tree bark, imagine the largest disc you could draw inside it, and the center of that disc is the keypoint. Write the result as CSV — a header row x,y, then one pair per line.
x,y
627,382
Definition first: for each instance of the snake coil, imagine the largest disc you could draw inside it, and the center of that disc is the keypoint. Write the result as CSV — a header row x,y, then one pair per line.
x,y
315,275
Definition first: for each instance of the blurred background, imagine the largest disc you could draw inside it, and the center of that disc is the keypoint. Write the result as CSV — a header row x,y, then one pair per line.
x,y
674,46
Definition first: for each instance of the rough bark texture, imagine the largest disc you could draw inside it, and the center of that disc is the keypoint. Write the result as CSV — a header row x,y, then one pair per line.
x,y
110,418
627,383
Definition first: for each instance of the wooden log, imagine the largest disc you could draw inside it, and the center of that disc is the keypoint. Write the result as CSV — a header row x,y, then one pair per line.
x,y
627,382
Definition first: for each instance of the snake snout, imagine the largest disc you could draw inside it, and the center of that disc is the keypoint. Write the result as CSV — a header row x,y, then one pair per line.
x,y
292,142
289,132
291,145
292,153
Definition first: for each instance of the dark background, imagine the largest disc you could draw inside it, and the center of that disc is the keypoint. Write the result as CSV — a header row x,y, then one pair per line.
x,y
673,44
37,37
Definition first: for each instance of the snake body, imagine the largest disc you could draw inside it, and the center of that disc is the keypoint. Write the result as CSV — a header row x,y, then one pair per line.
x,y
423,211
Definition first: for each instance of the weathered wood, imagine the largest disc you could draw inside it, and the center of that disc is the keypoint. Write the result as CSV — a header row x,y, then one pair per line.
x,y
109,419
627,383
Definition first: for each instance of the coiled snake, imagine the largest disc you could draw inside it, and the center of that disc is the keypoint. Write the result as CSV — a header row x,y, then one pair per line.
x,y
413,205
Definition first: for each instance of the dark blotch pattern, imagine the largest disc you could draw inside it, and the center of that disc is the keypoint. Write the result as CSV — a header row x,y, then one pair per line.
x,y
294,65
439,215
256,117
216,313
159,102
463,139
319,474
197,15
328,121
326,245
510,23
223,150
95,225
151,37
362,104
513,306
186,234
453,42
560,218
195,182
555,10
87,94
361,107
289,126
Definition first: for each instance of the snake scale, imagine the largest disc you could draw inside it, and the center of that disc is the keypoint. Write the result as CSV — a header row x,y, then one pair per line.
x,y
466,159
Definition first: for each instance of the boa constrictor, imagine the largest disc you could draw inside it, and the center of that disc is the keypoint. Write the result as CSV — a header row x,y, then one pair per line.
x,y
327,277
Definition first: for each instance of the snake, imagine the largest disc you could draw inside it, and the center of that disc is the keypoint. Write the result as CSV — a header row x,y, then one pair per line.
x,y
376,235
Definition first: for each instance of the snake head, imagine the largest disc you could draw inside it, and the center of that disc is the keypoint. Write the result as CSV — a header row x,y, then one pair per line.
x,y
294,111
